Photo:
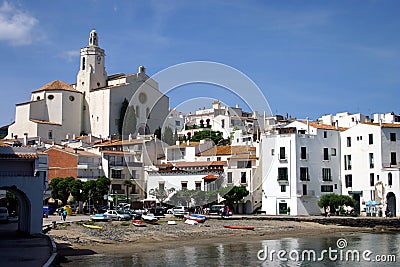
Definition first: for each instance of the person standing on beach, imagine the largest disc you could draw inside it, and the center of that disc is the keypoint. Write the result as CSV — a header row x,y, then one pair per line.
x,y
64,215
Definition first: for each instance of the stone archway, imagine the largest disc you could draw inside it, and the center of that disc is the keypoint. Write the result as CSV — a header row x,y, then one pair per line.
x,y
24,209
391,203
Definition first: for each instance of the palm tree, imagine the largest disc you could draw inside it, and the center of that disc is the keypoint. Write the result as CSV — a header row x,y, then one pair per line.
x,y
127,183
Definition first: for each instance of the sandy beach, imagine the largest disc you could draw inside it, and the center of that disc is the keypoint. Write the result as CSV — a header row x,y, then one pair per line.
x,y
121,238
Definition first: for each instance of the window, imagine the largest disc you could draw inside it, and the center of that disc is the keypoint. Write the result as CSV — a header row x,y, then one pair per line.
x,y
390,182
393,158
333,151
198,185
393,137
161,186
83,63
326,188
326,153
272,152
349,141
50,134
371,160
303,152
348,180
325,134
304,190
177,123
184,185
243,178
283,188
304,174
370,139
282,154
371,179
218,158
50,97
326,174
229,178
347,162
116,188
116,174
222,123
283,174
38,98
244,164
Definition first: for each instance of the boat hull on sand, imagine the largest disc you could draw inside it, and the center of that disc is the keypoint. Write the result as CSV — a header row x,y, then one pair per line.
x,y
243,227
138,223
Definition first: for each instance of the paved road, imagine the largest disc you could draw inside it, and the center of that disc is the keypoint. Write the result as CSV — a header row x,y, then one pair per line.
x,y
18,250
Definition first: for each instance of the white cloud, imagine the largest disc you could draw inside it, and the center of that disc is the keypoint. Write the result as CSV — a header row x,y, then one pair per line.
x,y
70,55
16,25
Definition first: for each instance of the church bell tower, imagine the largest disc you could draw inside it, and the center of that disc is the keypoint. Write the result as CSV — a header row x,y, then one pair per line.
x,y
92,73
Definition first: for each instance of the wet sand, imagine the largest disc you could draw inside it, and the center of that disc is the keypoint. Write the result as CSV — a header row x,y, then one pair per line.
x,y
121,238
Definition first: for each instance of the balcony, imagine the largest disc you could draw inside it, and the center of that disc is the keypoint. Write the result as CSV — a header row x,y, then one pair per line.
x,y
124,164
282,158
282,179
118,177
86,165
308,193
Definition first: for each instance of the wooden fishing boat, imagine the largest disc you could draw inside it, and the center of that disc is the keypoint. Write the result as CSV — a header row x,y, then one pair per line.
x,y
239,227
149,218
138,223
195,217
92,226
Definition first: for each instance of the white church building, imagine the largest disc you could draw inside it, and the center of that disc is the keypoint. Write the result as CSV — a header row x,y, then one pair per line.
x,y
59,111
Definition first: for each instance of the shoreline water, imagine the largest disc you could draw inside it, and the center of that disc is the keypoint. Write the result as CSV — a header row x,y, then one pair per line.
x,y
121,238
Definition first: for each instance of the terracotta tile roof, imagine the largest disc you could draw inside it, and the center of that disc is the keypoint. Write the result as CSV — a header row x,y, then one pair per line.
x,y
3,144
243,156
164,165
385,125
210,177
19,156
226,150
72,151
56,85
113,152
200,164
107,143
323,126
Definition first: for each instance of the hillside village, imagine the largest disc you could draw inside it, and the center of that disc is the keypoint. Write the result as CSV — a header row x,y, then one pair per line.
x,y
121,126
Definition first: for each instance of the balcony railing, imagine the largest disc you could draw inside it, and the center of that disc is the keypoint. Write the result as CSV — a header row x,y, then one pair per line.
x,y
118,177
391,165
308,193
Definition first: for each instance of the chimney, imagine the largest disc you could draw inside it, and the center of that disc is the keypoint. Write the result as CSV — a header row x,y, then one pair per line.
x,y
308,126
73,136
142,69
130,137
90,138
76,150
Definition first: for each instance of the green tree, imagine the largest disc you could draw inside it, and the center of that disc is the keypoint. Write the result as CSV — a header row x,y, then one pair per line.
x,y
235,194
161,194
61,188
76,187
129,122
215,136
124,107
181,197
335,201
168,136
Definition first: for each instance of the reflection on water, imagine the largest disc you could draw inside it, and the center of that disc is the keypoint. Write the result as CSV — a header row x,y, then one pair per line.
x,y
245,253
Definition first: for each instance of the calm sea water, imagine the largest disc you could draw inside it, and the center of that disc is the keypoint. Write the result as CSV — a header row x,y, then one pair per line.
x,y
341,250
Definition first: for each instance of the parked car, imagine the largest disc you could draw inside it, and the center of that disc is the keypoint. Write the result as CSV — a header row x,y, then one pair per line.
x,y
3,214
179,211
133,215
117,215
216,209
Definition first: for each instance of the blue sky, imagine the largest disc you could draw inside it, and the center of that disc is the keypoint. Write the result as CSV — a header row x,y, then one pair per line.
x,y
308,57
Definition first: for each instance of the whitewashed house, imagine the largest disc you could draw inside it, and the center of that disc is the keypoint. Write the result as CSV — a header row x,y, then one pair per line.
x,y
371,168
300,162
